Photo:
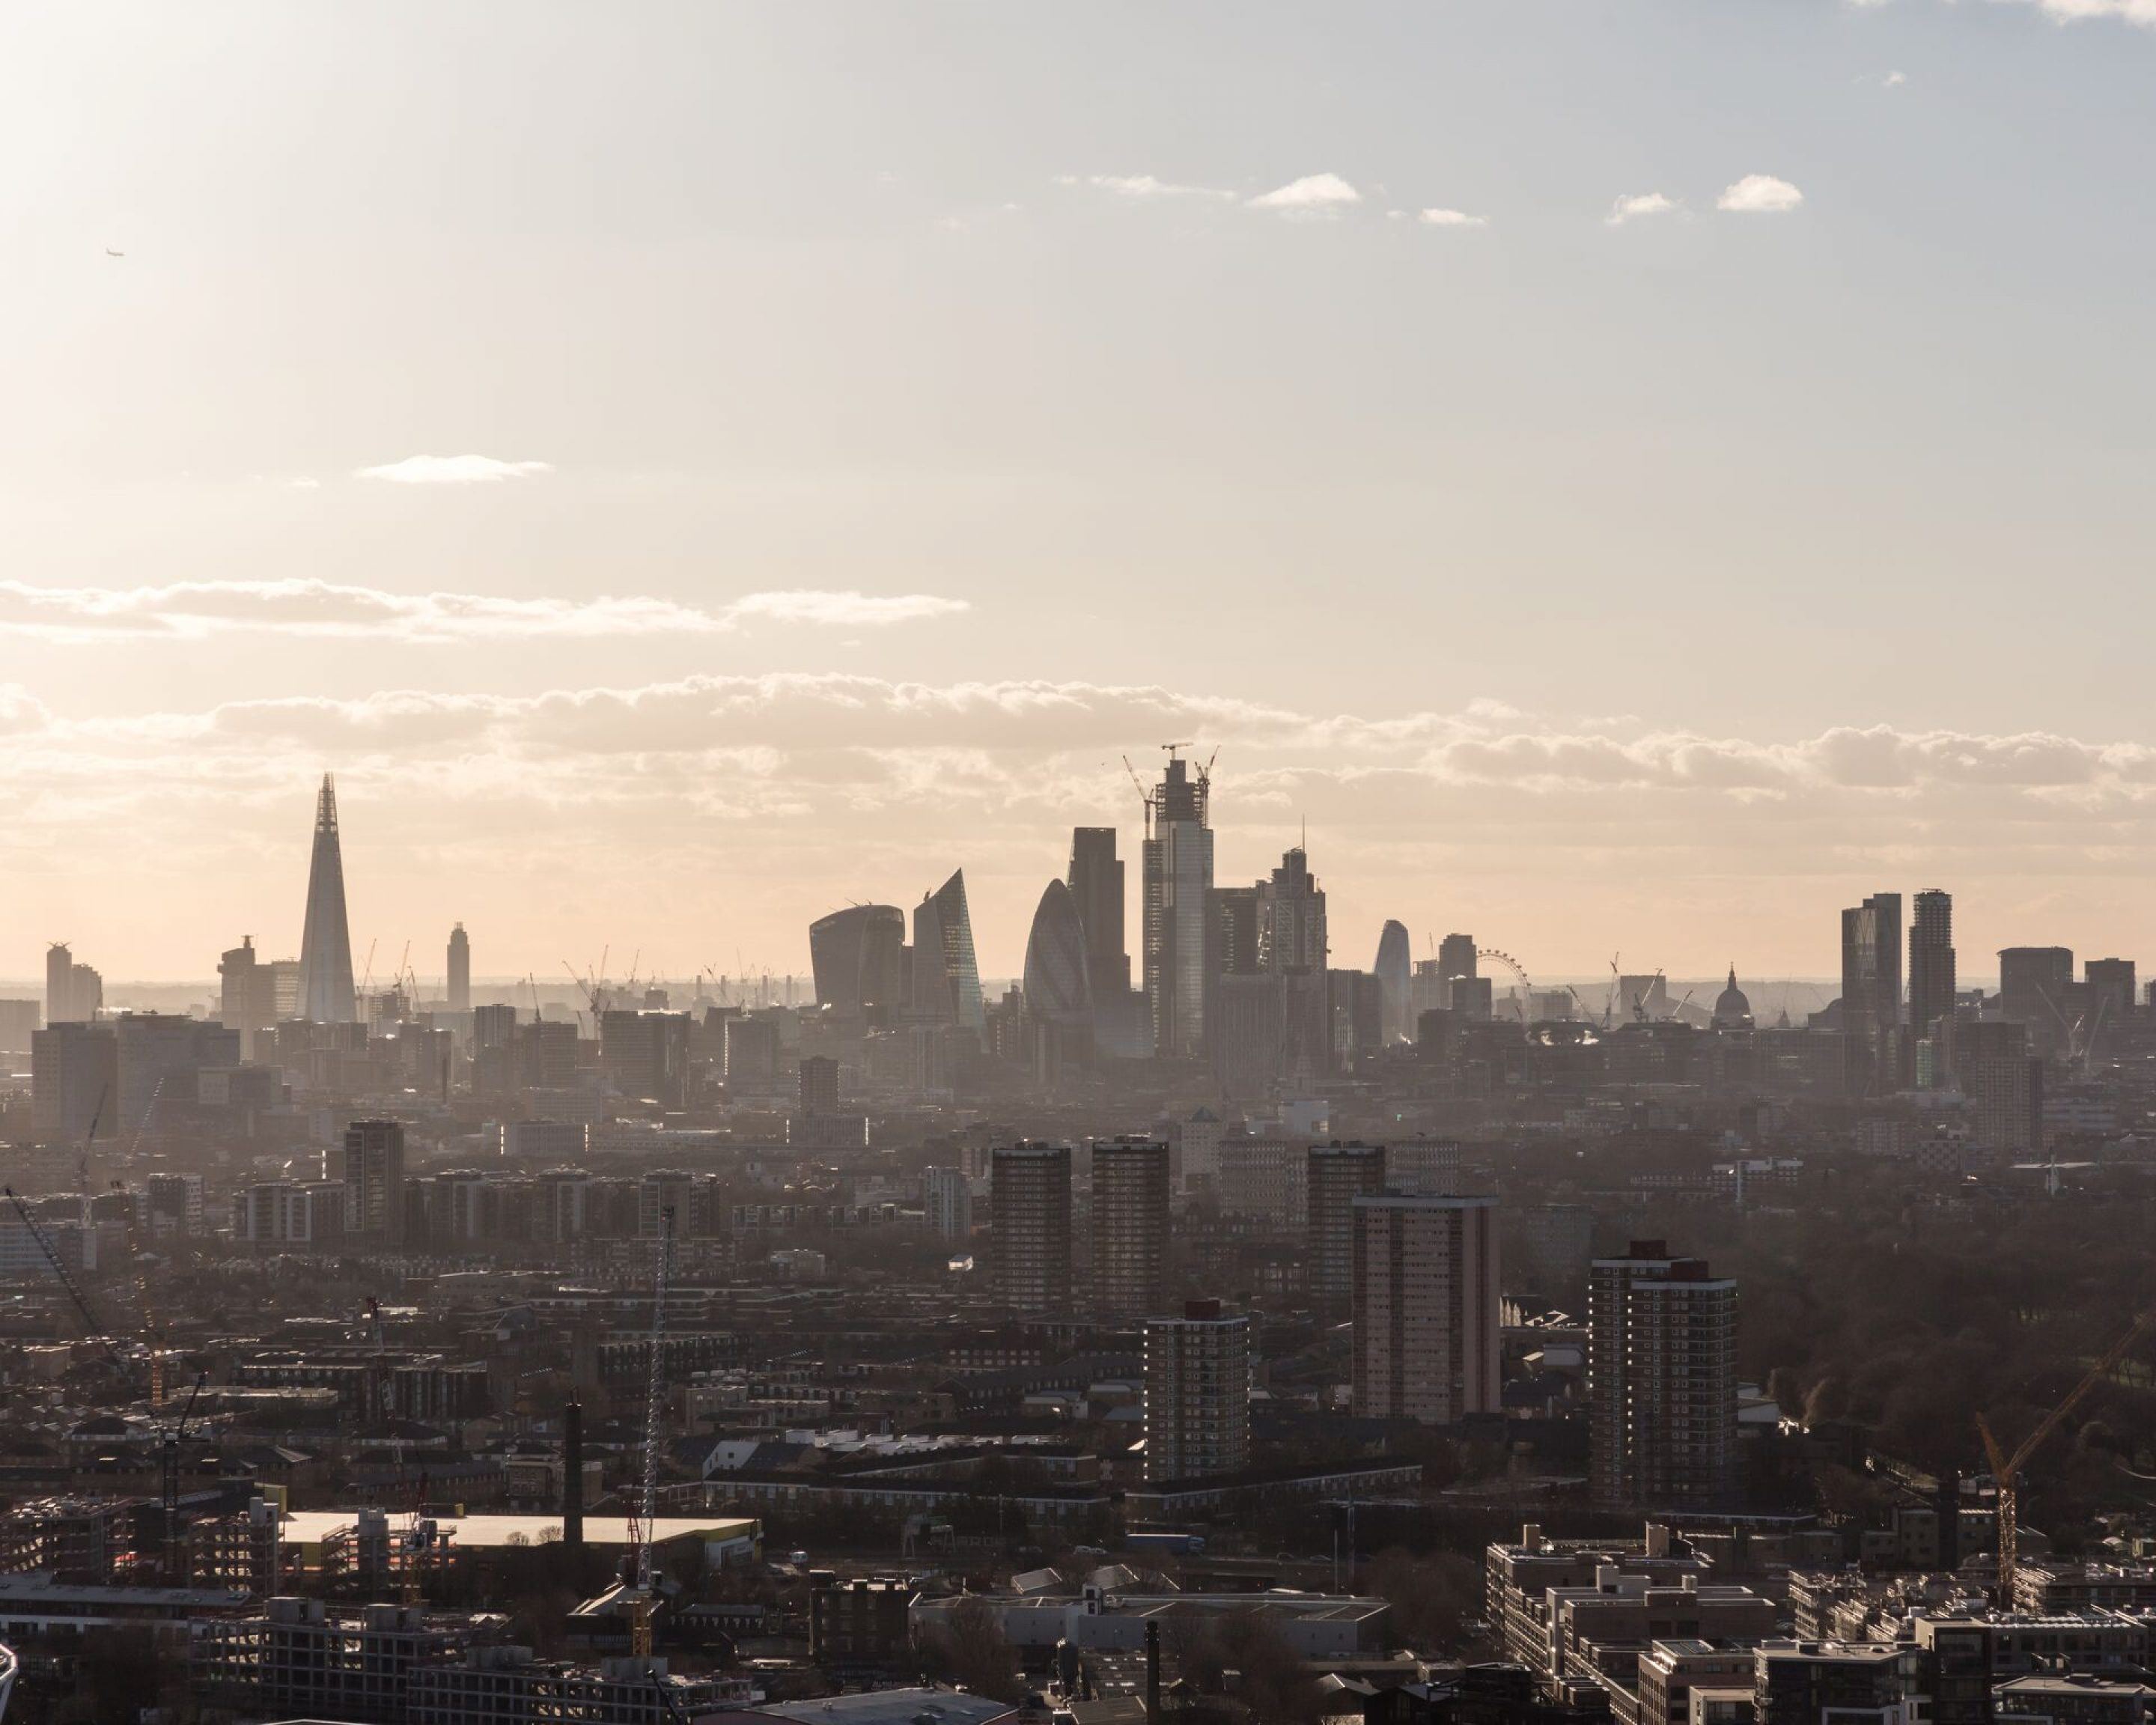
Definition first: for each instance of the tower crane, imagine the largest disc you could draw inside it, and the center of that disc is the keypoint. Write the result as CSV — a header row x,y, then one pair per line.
x,y
170,1479
82,1157
2005,1470
643,1599
92,1330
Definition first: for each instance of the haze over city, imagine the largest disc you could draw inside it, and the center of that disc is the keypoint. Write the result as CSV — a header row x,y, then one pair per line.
x,y
1624,476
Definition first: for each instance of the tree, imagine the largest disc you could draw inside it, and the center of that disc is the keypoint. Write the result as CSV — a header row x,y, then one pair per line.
x,y
971,1649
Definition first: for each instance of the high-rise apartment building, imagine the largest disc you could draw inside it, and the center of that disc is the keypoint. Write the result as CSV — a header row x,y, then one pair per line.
x,y
74,1079
1198,1393
1871,991
1338,1174
1130,1227
1030,1192
946,1196
1394,970
74,993
374,1183
459,969
1426,1308
2003,1083
1931,961
1661,1382
247,993
327,996
1178,873
818,1087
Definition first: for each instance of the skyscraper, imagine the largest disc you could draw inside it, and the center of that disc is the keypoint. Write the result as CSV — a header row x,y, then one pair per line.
x,y
1931,961
858,954
2034,984
1661,1381
247,993
1426,1308
327,995
1338,1174
1198,1393
1096,883
1394,970
1455,956
74,993
459,969
1178,883
947,1197
74,1079
1871,991
946,981
1130,1227
1030,1192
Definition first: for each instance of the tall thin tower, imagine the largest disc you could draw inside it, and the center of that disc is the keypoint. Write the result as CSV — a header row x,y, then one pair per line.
x,y
459,988
326,989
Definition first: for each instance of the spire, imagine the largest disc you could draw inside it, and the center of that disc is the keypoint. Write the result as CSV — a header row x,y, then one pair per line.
x,y
326,988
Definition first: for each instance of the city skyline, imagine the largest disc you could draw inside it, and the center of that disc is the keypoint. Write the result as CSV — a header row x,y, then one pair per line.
x,y
1517,543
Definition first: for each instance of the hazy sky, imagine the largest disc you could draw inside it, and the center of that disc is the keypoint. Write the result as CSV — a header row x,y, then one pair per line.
x,y
1631,475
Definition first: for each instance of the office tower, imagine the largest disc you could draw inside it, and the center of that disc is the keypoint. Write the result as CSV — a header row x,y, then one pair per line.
x,y
2111,988
646,1056
1470,997
2003,1083
374,1181
1661,1381
1455,956
858,956
459,972
247,994
1931,961
946,1199
2034,984
1394,970
1030,1192
1871,992
1198,1393
819,1085
327,995
1291,918
74,1078
946,982
1337,1175
1357,1008
19,1020
1426,1308
1058,975
1130,1227
1096,884
1177,878
161,1057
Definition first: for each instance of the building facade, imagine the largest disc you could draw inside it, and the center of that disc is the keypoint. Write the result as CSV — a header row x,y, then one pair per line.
x,y
1426,1308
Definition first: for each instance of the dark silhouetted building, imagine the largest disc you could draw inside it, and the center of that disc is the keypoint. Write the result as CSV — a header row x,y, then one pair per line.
x,y
1871,992
327,995
1029,1193
1426,1308
1661,1382
74,1078
1394,970
1337,1175
459,969
858,957
1130,1227
1178,885
1931,961
1198,1393
374,1183
646,1056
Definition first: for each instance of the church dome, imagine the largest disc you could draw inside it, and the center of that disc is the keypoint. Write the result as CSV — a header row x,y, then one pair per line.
x,y
1733,1011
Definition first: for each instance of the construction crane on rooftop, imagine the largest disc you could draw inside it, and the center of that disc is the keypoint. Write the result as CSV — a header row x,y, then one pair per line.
x,y
2006,1470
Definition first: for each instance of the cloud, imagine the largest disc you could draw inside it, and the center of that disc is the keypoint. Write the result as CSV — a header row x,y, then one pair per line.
x,y
572,807
1451,218
1642,203
1759,194
194,610
1140,186
1313,194
2075,12
452,470
1895,81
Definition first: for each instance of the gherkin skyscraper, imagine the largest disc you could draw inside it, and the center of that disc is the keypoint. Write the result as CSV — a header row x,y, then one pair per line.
x,y
325,990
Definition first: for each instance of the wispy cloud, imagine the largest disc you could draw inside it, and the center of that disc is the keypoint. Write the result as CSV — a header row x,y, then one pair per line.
x,y
2075,12
1895,81
452,470
1759,194
1140,186
1451,218
193,610
1643,203
1313,194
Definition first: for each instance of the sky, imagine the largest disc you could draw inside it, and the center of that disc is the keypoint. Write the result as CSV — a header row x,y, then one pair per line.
x,y
1628,476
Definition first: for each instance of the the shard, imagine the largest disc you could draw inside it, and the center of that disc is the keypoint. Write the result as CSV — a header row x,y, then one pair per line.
x,y
325,990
